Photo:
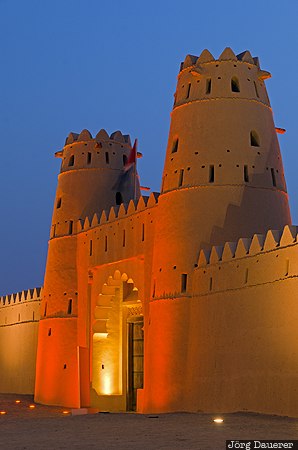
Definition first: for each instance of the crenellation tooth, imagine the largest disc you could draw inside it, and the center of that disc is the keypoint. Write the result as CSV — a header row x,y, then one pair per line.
x,y
85,135
228,55
205,57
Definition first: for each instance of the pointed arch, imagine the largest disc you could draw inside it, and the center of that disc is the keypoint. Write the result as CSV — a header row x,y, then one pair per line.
x,y
117,343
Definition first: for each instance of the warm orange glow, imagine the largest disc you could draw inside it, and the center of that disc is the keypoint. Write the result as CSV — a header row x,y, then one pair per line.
x,y
2,412
65,412
218,420
48,382
31,406
18,401
106,385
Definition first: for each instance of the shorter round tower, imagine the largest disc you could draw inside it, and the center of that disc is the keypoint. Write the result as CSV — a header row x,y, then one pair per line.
x,y
90,170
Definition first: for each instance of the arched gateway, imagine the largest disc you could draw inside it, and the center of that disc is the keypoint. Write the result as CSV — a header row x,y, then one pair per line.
x,y
117,345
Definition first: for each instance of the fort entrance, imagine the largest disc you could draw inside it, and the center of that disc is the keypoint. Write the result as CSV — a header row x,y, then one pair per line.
x,y
117,345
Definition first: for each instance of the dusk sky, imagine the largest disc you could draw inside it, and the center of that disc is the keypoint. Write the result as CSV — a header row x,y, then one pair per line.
x,y
67,65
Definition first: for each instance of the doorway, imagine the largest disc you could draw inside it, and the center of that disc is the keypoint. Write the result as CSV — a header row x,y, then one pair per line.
x,y
135,359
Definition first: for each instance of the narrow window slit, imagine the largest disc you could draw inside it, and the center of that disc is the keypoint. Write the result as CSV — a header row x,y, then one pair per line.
x,y
188,90
69,309
211,174
70,227
245,174
246,276
256,89
90,248
287,267
181,175
273,177
183,282
89,156
208,85
143,232
154,285
123,239
107,157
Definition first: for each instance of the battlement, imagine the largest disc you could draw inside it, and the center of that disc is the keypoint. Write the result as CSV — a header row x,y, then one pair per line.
x,y
249,246
82,151
227,55
115,212
28,295
102,135
231,76
20,308
248,263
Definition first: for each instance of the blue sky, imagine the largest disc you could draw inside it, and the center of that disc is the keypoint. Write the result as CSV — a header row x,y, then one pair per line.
x,y
73,64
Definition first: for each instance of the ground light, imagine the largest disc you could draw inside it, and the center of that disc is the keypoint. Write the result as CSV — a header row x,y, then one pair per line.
x,y
31,406
65,412
2,413
18,401
218,420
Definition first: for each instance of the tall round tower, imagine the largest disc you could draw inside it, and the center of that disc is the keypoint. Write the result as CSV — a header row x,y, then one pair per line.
x,y
89,171
223,179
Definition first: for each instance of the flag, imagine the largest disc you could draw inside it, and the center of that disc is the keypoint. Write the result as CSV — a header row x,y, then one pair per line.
x,y
129,170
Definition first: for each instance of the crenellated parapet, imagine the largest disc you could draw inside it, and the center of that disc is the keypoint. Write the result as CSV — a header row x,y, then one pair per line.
x,y
105,217
102,135
246,247
20,307
82,151
264,258
28,295
230,75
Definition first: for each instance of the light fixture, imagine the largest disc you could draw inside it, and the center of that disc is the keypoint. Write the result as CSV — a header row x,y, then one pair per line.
x,y
218,420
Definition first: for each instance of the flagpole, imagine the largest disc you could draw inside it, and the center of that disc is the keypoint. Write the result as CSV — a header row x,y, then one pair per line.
x,y
135,172
135,182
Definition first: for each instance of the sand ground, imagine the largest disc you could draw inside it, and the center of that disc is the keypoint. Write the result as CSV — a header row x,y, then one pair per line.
x,y
47,427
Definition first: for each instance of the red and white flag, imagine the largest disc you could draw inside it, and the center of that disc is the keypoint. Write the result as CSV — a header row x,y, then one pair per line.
x,y
129,170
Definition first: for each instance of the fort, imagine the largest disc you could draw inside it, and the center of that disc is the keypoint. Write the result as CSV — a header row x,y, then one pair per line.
x,y
184,300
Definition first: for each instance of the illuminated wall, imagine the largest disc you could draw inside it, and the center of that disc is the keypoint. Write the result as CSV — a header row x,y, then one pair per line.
x,y
244,332
239,326
19,317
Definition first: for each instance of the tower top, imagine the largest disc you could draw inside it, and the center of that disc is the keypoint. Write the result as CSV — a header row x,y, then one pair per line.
x,y
227,55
